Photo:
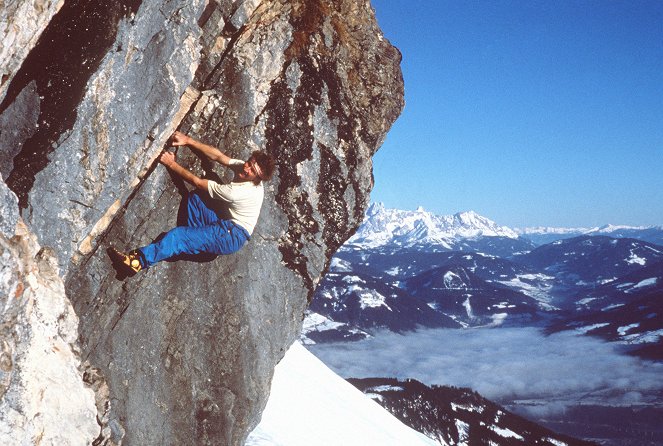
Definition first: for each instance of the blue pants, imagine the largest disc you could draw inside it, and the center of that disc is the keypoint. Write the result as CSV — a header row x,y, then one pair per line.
x,y
205,232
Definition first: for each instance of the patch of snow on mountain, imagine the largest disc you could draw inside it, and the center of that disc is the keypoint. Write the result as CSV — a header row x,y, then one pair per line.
x,y
634,258
318,322
352,279
624,285
647,282
314,322
374,396
623,330
612,307
647,337
506,433
468,408
385,388
586,300
468,307
340,266
556,442
452,281
536,286
393,271
371,299
498,319
311,405
589,328
463,433
607,229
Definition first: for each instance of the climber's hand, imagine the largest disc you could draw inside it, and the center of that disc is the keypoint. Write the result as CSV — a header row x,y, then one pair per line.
x,y
167,159
179,139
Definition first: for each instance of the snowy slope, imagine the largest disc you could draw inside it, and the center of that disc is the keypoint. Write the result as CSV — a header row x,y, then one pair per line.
x,y
311,405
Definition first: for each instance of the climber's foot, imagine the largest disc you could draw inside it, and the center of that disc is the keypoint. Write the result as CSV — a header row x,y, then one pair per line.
x,y
130,261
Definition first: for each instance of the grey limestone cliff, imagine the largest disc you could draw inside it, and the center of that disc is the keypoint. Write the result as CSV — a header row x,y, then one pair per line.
x,y
21,25
185,350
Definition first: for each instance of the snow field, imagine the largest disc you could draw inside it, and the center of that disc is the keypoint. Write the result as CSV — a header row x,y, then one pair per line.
x,y
311,405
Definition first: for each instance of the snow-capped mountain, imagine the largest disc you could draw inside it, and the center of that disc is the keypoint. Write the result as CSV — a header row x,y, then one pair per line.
x,y
422,228
311,405
457,416
544,235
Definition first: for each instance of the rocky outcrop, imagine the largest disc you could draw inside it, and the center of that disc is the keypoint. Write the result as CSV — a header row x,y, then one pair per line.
x,y
187,348
43,398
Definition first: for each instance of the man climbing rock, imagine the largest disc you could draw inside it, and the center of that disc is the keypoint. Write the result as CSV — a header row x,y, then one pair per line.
x,y
208,229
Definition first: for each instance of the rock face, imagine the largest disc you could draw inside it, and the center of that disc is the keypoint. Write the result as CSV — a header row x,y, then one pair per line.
x,y
43,398
187,348
21,24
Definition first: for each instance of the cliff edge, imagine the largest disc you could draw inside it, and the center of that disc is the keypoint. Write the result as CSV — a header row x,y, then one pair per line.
x,y
184,352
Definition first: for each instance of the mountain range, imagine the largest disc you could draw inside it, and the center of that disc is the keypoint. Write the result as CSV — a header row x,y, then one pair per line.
x,y
543,235
405,270
408,269
421,228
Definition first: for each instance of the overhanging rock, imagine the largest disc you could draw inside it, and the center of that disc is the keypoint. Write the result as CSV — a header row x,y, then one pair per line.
x,y
188,348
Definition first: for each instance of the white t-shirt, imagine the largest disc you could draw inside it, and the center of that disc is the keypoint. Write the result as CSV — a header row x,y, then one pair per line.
x,y
244,199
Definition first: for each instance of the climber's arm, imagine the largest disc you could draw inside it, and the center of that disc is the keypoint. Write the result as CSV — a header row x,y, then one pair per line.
x,y
214,154
168,160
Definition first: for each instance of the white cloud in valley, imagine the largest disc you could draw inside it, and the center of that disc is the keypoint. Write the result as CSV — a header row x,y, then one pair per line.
x,y
504,364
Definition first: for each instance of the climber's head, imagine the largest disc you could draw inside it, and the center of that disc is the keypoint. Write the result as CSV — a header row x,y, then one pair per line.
x,y
260,166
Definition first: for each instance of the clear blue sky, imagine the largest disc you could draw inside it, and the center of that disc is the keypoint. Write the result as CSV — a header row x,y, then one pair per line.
x,y
527,112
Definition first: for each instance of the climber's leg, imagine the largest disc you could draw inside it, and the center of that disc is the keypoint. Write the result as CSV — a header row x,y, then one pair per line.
x,y
224,237
198,213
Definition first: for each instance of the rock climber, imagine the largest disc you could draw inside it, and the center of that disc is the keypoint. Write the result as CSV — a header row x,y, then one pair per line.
x,y
208,229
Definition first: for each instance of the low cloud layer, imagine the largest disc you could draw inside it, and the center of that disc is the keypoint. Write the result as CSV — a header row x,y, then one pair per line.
x,y
505,364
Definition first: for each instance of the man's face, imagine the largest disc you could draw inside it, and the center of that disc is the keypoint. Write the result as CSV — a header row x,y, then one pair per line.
x,y
248,172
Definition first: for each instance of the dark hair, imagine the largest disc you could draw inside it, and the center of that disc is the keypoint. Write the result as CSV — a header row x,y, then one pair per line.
x,y
266,162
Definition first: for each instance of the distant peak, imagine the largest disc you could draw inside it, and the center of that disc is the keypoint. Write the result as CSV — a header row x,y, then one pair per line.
x,y
410,228
469,215
375,208
613,228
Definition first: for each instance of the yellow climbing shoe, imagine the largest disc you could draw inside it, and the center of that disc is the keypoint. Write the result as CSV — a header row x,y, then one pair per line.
x,y
131,260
